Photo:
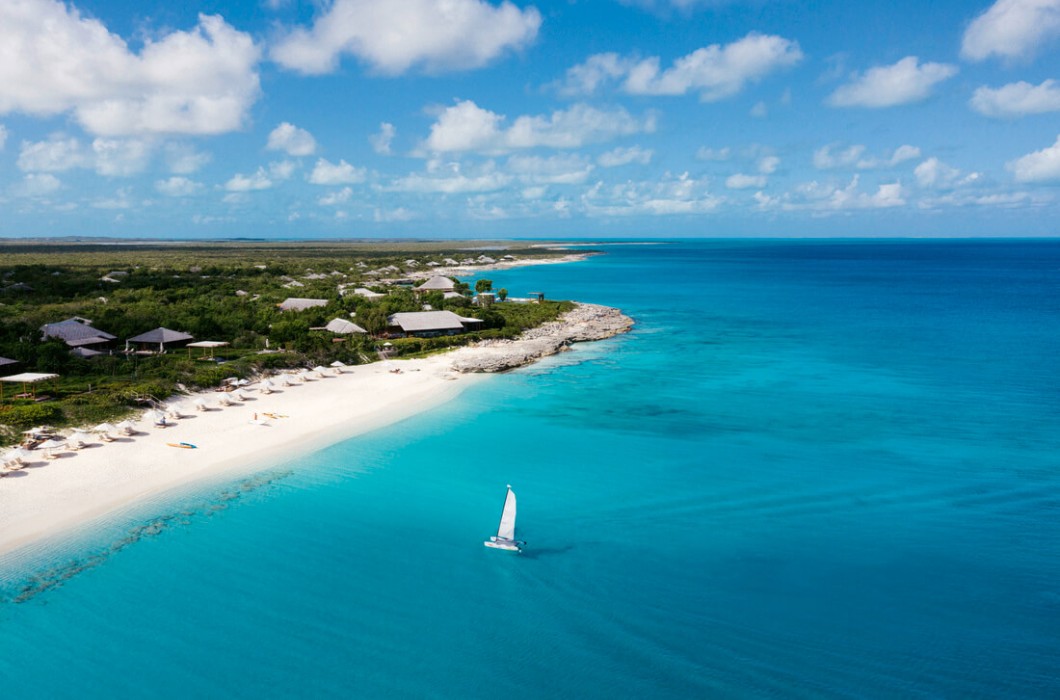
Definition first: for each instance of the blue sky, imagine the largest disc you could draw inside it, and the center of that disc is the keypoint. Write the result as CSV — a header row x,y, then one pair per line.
x,y
470,118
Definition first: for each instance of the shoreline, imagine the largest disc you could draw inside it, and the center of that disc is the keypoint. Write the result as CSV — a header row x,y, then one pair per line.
x,y
51,499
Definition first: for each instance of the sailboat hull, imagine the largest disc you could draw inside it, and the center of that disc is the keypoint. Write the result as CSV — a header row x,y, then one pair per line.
x,y
507,546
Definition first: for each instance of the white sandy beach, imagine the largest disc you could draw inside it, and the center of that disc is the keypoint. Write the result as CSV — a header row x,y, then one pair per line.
x,y
49,498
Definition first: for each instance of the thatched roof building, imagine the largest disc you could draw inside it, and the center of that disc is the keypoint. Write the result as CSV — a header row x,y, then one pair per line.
x,y
437,284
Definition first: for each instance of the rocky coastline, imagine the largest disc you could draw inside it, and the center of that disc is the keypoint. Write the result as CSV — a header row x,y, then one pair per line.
x,y
586,322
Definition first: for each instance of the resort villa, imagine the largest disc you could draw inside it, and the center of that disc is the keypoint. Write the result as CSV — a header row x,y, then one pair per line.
x,y
429,324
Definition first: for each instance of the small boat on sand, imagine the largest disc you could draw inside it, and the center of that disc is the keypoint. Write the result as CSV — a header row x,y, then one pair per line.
x,y
183,445
505,538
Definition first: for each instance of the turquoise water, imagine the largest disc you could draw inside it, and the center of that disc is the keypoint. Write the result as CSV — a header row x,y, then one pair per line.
x,y
815,469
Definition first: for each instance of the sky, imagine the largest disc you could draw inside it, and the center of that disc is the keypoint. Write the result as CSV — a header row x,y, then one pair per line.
x,y
577,118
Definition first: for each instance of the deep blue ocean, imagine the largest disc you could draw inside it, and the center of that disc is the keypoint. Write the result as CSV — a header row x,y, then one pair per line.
x,y
814,469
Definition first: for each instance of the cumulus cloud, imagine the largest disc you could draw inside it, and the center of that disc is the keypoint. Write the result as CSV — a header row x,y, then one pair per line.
x,y
1011,29
393,37
121,157
1017,99
341,173
767,165
183,159
291,140
467,127
555,170
53,155
934,174
670,195
453,183
1040,166
381,141
740,181
248,183
333,199
392,215
624,156
54,61
177,186
37,185
825,198
832,156
714,71
716,154
887,86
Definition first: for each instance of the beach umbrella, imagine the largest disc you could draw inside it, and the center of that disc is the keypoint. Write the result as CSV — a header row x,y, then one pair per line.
x,y
103,428
49,447
127,427
200,404
338,364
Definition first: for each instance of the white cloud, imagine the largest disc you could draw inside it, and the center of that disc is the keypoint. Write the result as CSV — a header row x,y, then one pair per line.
x,y
768,165
556,170
184,160
1017,99
3,136
452,184
393,37
178,187
934,174
244,183
292,140
760,110
669,195
53,155
467,127
1040,166
1012,29
282,169
717,154
333,199
827,198
392,215
740,181
887,86
53,61
624,156
121,157
714,71
37,185
120,200
825,159
381,141
341,173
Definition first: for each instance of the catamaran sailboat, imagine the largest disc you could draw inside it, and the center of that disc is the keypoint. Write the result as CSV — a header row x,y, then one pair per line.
x,y
505,538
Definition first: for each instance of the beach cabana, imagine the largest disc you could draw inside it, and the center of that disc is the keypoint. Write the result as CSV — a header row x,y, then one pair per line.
x,y
76,332
428,324
27,380
160,337
208,347
341,326
300,304
437,284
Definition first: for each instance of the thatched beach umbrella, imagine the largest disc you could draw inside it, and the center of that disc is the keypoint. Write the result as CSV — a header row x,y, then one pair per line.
x,y
127,427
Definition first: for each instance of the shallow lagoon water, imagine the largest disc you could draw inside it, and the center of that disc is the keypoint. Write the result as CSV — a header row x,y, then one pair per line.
x,y
815,469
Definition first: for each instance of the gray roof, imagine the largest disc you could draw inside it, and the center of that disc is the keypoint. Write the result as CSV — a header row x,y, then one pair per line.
x,y
438,283
161,335
343,327
414,321
85,352
6,361
300,304
72,330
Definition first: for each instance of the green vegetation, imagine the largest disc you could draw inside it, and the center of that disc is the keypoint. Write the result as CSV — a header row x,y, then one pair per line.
x,y
214,291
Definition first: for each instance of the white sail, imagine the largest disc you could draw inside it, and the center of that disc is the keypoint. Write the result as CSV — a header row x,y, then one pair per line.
x,y
506,531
